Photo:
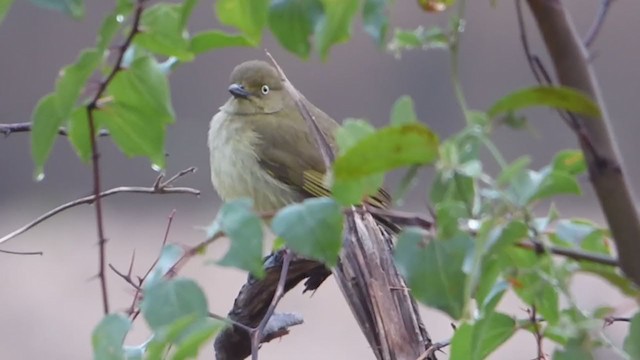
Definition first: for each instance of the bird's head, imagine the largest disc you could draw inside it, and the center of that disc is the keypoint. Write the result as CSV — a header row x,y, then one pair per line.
x,y
256,88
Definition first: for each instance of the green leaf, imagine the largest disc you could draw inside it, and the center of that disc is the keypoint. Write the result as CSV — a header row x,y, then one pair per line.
x,y
108,337
186,11
530,186
448,215
574,350
73,78
570,161
514,169
168,258
632,341
432,38
293,22
168,335
335,26
248,16
312,228
476,341
163,31
5,5
111,24
562,98
434,272
197,337
45,123
354,191
387,149
73,8
454,186
139,110
168,301
403,112
215,39
78,133
55,108
375,19
237,221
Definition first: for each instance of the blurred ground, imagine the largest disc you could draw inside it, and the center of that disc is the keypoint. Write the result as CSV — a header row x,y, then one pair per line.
x,y
49,304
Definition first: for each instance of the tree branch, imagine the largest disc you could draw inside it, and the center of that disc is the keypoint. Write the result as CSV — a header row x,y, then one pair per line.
x,y
593,32
570,253
573,69
8,129
95,156
160,188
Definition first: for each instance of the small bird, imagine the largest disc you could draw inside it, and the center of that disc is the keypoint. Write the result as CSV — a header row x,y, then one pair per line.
x,y
261,148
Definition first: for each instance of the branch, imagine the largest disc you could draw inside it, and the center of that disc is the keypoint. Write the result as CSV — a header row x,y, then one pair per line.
x,y
430,352
8,129
573,69
161,188
570,253
597,23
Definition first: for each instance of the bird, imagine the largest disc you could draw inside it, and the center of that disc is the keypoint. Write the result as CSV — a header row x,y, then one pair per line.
x,y
260,145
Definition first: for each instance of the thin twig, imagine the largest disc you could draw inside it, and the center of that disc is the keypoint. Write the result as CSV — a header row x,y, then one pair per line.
x,y
433,348
537,333
256,335
8,129
570,253
22,252
594,30
165,189
612,319
401,218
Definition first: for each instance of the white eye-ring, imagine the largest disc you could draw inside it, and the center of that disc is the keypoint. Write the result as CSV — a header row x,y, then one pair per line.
x,y
264,89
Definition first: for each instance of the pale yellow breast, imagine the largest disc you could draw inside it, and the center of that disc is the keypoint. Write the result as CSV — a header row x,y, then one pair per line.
x,y
235,171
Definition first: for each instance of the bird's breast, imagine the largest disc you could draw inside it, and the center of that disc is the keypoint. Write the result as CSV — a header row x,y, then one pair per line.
x,y
235,168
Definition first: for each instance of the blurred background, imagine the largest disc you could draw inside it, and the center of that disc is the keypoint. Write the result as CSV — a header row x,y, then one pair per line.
x,y
50,304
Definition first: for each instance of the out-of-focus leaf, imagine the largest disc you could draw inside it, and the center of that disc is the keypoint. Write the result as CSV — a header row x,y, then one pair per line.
x,y
108,337
354,191
168,258
239,222
293,23
570,161
312,228
476,341
432,38
434,270
5,5
196,338
334,26
632,341
171,300
562,98
375,19
215,39
78,133
73,8
45,123
403,112
248,16
530,185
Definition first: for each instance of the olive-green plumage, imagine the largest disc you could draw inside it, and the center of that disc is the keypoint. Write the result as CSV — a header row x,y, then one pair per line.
x,y
260,145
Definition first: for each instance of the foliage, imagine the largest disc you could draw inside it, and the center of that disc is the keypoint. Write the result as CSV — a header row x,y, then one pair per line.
x,y
486,223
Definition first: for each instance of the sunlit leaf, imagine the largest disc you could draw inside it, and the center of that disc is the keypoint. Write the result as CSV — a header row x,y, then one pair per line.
x,y
312,228
562,98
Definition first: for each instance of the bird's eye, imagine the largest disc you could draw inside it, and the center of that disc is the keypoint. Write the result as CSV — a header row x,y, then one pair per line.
x,y
264,89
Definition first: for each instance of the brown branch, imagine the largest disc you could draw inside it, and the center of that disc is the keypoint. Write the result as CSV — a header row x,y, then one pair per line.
x,y
574,70
597,22
569,253
431,351
537,333
162,188
8,129
609,320
257,334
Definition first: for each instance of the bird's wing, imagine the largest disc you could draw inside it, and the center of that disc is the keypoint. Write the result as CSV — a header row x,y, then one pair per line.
x,y
293,158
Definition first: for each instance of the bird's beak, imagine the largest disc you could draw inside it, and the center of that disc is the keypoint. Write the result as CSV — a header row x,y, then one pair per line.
x,y
238,91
